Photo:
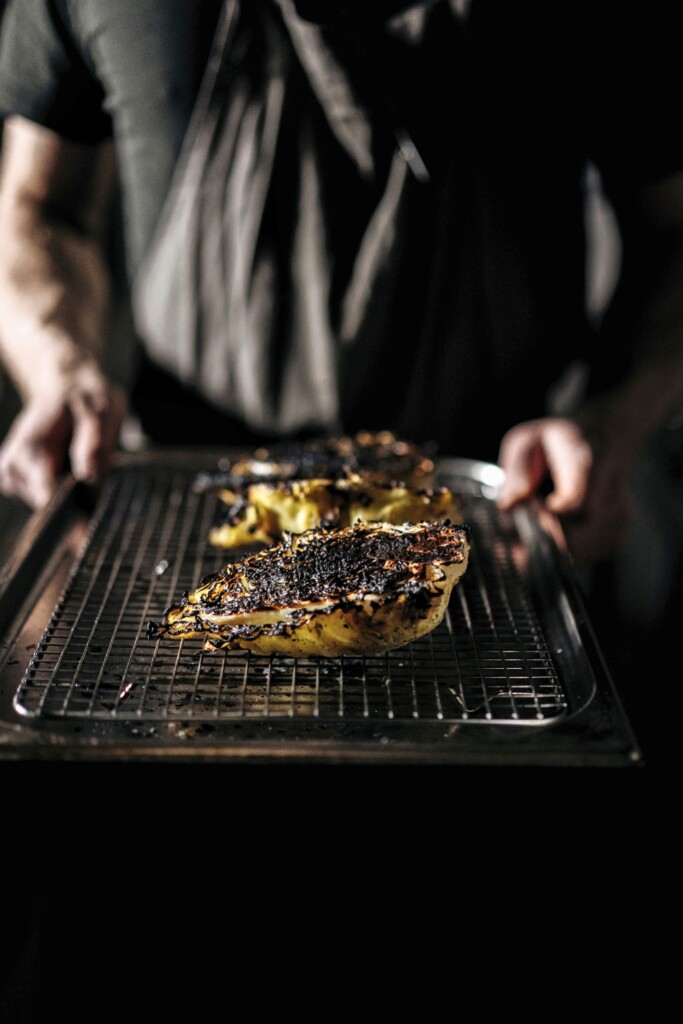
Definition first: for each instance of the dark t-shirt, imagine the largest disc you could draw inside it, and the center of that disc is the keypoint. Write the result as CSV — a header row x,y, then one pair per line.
x,y
511,108
92,67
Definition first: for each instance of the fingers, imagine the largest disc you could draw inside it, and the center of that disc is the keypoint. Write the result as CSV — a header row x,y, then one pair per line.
x,y
33,455
521,457
590,493
554,449
78,431
32,482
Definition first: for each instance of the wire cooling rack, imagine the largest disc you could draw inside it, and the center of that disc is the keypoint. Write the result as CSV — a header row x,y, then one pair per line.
x,y
489,661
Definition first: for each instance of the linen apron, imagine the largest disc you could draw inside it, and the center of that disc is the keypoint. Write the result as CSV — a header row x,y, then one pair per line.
x,y
234,295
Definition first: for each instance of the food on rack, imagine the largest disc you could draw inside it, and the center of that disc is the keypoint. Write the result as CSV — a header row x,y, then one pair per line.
x,y
263,512
356,590
377,456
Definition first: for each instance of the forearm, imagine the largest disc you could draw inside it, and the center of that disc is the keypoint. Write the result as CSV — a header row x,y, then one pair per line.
x,y
54,296
625,419
54,302
646,320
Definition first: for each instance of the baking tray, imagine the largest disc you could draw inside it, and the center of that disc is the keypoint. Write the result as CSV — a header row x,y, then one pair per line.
x,y
513,676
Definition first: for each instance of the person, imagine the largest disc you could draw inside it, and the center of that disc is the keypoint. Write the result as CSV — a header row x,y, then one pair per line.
x,y
331,217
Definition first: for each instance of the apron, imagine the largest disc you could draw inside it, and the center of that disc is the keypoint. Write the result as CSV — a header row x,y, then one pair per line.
x,y
235,295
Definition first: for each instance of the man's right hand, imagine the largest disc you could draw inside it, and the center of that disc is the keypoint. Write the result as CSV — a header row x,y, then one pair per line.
x,y
73,430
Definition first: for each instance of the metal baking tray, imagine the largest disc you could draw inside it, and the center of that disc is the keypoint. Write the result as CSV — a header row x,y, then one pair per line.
x,y
513,676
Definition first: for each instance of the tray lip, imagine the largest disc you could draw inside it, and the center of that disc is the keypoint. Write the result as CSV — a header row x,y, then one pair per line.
x,y
19,737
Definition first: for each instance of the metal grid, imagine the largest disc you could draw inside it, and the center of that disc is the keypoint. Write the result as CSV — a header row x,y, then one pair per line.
x,y
487,662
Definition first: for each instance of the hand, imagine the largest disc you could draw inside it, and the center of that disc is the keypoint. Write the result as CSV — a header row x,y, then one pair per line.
x,y
72,428
588,480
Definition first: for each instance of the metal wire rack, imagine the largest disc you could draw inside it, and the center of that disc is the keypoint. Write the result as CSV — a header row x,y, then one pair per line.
x,y
488,662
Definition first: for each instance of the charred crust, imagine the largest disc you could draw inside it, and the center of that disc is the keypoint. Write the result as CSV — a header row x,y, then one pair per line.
x,y
341,566
375,454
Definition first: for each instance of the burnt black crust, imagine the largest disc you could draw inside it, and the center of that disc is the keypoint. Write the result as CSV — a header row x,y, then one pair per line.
x,y
364,453
330,565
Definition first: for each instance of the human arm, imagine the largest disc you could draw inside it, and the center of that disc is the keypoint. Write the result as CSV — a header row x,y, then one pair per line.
x,y
586,460
54,299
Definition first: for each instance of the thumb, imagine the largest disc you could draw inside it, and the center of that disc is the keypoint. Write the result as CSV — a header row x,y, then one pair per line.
x,y
523,461
97,419
570,459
